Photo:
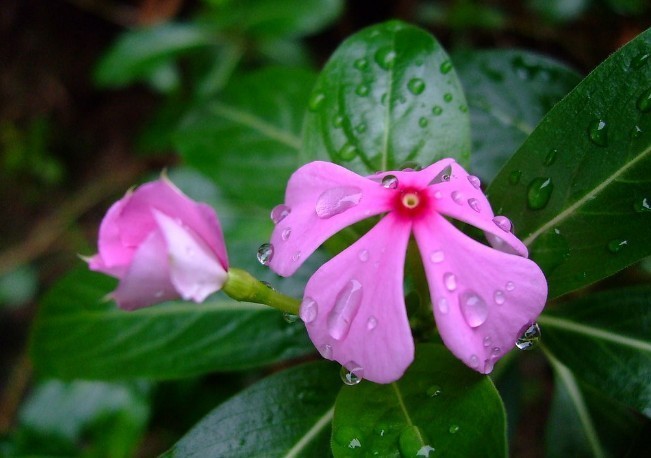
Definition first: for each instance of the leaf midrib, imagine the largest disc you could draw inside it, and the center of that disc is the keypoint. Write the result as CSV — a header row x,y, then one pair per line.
x,y
311,433
387,112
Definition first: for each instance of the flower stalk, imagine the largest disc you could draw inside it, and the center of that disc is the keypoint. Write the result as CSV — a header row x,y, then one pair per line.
x,y
244,287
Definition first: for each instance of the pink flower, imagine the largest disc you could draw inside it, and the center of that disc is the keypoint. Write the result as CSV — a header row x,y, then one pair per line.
x,y
161,245
354,306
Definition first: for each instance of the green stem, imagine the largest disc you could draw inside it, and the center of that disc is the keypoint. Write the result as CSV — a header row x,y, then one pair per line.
x,y
244,287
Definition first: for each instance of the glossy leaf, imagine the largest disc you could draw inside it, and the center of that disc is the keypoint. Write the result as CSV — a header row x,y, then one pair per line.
x,y
584,423
247,141
605,339
388,97
508,92
438,408
579,189
78,334
143,52
285,415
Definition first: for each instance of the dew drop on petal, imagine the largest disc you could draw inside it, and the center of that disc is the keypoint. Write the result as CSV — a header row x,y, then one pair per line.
x,y
474,361
337,200
345,309
351,373
371,323
450,281
510,286
437,256
390,182
499,297
457,197
487,341
265,253
309,310
286,233
438,195
503,223
363,255
495,351
279,213
529,337
442,304
474,204
326,351
474,181
474,308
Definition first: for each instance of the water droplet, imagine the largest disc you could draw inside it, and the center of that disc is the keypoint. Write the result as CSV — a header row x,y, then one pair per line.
x,y
425,450
347,152
289,317
473,308
279,213
443,176
438,195
361,64
539,191
416,86
361,128
437,110
316,101
598,132
457,197
474,361
474,181
510,286
551,157
286,233
642,205
636,132
474,204
447,97
385,57
363,255
503,223
454,429
351,373
639,60
412,442
499,297
423,122
362,90
529,337
371,323
296,256
348,436
487,341
337,200
433,391
390,182
616,245
326,351
437,256
463,108
514,177
445,67
338,121
450,281
309,310
443,305
346,307
495,351
644,101
265,253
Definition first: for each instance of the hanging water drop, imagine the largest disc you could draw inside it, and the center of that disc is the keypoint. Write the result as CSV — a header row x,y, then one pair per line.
x,y
279,213
309,310
597,131
474,308
539,192
337,200
351,373
345,309
450,281
474,181
474,204
390,182
416,86
265,253
529,337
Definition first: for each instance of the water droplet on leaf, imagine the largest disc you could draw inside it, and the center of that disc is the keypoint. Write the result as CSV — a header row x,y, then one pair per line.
x,y
539,191
385,57
551,157
345,309
416,86
644,101
447,97
474,308
423,122
337,200
529,337
445,67
454,429
598,132
410,443
437,110
433,391
265,253
639,60
514,177
642,205
616,245
361,64
316,101
362,90
347,152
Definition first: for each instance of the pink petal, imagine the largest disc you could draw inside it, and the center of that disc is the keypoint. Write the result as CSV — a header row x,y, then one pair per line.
x,y
482,297
321,198
194,269
147,280
113,257
354,308
462,199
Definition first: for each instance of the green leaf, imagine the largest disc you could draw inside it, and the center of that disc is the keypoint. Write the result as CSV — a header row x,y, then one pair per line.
x,y
275,18
107,418
605,339
142,52
247,141
388,97
584,423
439,407
579,189
78,334
508,92
285,415
559,10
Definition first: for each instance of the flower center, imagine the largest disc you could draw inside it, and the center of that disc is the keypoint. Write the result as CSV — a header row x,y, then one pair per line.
x,y
411,203
410,200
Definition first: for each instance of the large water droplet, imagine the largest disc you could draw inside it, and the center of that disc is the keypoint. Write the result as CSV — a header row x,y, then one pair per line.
x,y
598,132
644,101
351,373
474,204
445,67
337,200
437,110
437,256
385,57
474,181
347,152
443,176
345,309
371,323
390,181
474,308
309,310
529,337
279,213
503,223
616,245
457,197
642,205
416,86
539,191
265,253
551,157
499,297
316,101
450,281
